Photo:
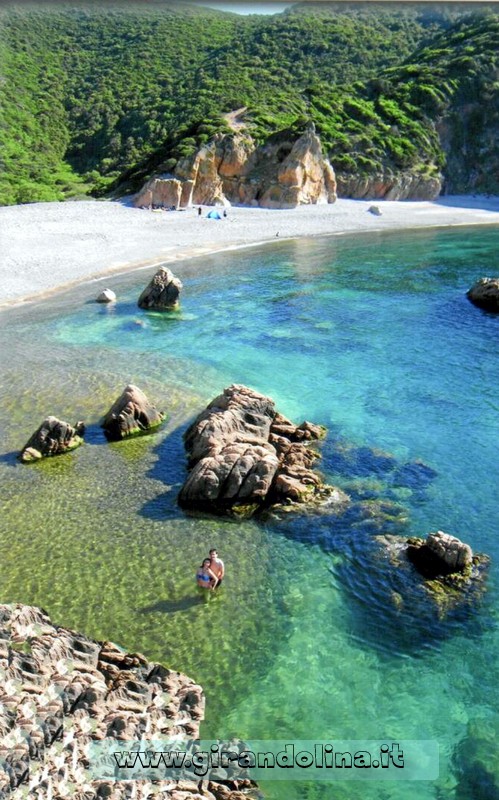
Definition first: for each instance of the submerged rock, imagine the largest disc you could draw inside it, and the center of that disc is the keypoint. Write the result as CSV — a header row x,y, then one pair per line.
x,y
106,296
244,456
445,568
162,293
485,294
131,415
52,438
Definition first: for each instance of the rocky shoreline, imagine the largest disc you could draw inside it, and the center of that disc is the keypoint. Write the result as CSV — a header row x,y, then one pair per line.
x,y
60,691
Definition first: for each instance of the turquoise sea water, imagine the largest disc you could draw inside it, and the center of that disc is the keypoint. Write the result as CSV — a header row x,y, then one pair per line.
x,y
371,336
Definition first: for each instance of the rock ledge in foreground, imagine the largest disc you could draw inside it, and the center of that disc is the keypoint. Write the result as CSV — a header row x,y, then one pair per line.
x,y
52,438
244,456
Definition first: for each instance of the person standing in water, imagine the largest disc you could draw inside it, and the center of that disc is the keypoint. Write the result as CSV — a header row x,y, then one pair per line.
x,y
217,567
205,577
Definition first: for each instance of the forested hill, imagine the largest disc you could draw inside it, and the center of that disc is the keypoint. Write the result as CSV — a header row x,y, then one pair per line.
x,y
93,98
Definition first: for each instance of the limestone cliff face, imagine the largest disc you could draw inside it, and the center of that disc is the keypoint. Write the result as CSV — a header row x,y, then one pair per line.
x,y
403,186
282,173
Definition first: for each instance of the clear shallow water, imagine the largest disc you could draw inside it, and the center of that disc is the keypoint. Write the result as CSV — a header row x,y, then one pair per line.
x,y
371,336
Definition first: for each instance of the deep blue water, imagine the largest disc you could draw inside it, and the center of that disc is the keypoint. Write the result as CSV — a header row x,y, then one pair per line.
x,y
371,336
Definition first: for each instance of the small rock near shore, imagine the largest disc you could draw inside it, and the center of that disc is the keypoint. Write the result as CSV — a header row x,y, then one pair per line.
x,y
106,296
485,294
130,415
375,210
52,438
162,293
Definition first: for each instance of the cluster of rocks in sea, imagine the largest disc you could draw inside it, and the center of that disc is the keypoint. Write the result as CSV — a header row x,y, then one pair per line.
x,y
130,415
61,691
245,458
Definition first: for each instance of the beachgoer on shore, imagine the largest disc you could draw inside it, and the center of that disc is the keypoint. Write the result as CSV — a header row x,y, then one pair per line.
x,y
225,212
200,211
217,567
205,577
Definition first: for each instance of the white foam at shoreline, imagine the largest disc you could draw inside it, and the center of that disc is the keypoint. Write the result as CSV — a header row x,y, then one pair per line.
x,y
45,246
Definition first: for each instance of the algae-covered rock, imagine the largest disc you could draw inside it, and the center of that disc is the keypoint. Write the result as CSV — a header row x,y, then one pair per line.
x,y
52,438
442,566
162,292
441,554
131,415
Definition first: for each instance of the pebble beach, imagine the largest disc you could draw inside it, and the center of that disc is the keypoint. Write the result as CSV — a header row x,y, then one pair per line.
x,y
47,246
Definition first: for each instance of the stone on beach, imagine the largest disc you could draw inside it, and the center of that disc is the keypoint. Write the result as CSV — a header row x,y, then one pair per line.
x,y
485,294
131,414
52,438
244,456
162,293
106,296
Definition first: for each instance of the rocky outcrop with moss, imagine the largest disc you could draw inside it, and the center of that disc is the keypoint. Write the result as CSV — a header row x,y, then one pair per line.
x,y
52,438
443,567
245,457
131,415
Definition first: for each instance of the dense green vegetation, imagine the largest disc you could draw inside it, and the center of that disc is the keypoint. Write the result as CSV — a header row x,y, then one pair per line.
x,y
93,97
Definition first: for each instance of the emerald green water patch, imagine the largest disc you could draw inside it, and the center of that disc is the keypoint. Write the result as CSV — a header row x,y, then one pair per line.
x,y
312,635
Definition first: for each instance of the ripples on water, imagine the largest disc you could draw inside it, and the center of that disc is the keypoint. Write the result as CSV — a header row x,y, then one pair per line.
x,y
372,337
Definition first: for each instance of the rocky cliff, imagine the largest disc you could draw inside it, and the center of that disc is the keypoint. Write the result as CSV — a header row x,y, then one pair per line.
x,y
401,186
282,173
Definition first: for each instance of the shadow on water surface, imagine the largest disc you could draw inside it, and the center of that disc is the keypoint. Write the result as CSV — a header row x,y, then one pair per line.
x,y
170,469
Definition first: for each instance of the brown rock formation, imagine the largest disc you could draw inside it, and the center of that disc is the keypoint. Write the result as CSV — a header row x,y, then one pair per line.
x,y
485,294
162,292
61,691
402,186
132,414
244,456
283,173
52,438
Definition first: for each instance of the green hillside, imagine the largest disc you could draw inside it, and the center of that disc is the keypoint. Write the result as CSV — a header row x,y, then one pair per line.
x,y
93,99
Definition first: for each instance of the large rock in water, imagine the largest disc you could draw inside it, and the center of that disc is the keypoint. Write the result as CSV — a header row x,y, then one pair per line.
x,y
485,294
52,438
162,293
62,692
244,456
130,415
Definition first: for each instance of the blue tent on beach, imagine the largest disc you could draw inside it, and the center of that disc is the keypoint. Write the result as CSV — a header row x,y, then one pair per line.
x,y
213,215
